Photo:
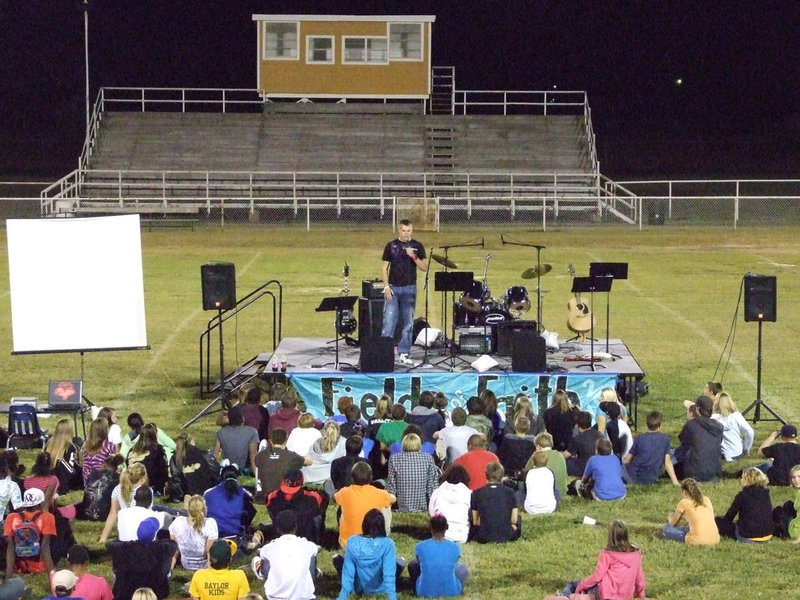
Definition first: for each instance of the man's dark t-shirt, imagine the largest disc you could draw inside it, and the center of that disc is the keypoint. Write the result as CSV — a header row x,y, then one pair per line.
x,y
402,270
494,503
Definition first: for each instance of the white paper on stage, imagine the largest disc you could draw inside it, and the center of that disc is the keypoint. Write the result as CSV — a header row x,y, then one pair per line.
x,y
76,284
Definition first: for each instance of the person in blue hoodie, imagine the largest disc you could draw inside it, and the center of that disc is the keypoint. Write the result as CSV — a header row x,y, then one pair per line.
x,y
370,563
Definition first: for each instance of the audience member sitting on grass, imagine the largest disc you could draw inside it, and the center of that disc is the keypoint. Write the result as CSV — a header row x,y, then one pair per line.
x,y
231,506
324,451
237,442
650,455
453,439
286,416
34,557
219,581
608,395
356,500
754,507
96,503
490,404
254,413
63,584
370,564
452,500
555,461
354,424
191,470
618,573
88,586
130,480
136,422
144,593
617,430
391,432
114,430
700,454
495,517
42,478
412,476
342,466
426,448
426,417
517,448
783,454
559,420
273,462
303,436
476,459
436,571
523,408
309,506
64,450
540,495
145,561
288,564
734,427
382,414
10,492
148,452
194,534
477,419
130,518
96,448
581,447
786,517
602,478
698,512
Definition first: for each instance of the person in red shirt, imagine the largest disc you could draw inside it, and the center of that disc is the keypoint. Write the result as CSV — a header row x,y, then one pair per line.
x,y
475,460
33,508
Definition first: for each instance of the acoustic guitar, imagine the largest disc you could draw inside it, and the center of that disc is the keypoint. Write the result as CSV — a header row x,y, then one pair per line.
x,y
579,319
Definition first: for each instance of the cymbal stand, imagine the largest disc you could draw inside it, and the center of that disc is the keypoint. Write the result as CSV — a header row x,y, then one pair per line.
x,y
539,249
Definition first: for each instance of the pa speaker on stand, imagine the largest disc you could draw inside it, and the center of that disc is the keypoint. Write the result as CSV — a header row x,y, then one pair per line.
x,y
219,285
760,298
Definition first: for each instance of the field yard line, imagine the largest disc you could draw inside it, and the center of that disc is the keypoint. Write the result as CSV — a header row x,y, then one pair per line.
x,y
772,262
158,355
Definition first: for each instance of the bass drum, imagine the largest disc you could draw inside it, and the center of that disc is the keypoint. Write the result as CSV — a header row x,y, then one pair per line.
x,y
475,297
516,301
492,314
462,317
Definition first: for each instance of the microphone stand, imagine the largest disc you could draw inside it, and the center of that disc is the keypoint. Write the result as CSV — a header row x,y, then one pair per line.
x,y
426,330
539,249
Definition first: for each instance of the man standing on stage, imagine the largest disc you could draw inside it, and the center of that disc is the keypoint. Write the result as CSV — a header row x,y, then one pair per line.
x,y
401,257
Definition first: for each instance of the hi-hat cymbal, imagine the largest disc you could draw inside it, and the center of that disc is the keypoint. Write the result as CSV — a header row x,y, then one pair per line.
x,y
444,261
535,273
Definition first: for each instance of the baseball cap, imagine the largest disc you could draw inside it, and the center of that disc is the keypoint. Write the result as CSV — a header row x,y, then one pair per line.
x,y
32,497
221,552
147,530
293,478
789,431
64,579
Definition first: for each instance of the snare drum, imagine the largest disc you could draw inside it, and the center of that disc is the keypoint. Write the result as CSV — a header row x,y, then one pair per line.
x,y
475,296
516,301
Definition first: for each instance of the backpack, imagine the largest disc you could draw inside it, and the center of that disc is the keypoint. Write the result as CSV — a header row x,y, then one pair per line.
x,y
27,536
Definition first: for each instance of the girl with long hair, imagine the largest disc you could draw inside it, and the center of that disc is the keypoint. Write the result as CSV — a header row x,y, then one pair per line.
x,y
96,504
619,571
698,512
382,414
130,480
42,478
114,430
147,451
524,408
324,451
194,534
754,508
735,427
65,456
559,419
190,469
96,448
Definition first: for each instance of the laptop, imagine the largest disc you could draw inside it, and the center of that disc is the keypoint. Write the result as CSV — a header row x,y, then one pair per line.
x,y
29,400
65,393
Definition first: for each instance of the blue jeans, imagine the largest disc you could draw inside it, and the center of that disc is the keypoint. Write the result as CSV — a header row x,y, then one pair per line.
x,y
402,307
676,534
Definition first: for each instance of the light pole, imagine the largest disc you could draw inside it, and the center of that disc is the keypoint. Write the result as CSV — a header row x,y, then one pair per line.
x,y
86,55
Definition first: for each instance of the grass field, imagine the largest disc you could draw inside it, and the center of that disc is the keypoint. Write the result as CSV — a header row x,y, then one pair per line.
x,y
677,312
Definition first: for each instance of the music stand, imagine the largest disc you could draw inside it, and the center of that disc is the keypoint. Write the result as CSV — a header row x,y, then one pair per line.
x,y
581,285
614,270
452,281
339,304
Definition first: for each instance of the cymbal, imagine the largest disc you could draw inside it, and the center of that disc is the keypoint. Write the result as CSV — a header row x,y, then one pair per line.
x,y
534,273
444,261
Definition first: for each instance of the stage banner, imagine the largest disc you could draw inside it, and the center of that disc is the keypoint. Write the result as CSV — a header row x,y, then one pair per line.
x,y
321,391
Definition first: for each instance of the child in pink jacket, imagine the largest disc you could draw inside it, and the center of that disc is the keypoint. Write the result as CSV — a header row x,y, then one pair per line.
x,y
619,574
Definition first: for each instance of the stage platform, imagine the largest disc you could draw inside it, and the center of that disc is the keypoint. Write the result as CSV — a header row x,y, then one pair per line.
x,y
312,368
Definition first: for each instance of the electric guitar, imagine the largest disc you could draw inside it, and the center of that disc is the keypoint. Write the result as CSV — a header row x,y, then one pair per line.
x,y
580,318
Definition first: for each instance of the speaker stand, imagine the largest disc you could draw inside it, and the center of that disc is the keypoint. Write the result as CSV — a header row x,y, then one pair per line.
x,y
424,364
758,402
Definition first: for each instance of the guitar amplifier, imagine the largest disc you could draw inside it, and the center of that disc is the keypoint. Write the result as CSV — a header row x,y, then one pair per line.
x,y
372,288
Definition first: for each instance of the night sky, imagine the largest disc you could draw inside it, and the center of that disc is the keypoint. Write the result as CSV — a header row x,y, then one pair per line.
x,y
735,114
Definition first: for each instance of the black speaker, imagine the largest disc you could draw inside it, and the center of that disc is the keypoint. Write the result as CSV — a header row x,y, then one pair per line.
x,y
377,355
505,333
219,285
760,298
528,352
370,318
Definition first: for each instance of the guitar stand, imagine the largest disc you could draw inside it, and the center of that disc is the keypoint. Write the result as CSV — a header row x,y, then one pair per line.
x,y
581,285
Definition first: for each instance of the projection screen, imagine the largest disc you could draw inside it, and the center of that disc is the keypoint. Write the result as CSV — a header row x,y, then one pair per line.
x,y
76,284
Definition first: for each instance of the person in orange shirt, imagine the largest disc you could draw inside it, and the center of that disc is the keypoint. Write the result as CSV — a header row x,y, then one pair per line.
x,y
356,500
698,512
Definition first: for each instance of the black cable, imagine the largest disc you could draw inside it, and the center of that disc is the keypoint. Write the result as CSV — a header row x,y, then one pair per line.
x,y
729,341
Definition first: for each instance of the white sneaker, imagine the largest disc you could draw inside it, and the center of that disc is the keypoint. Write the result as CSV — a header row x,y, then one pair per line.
x,y
405,359
255,565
